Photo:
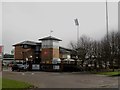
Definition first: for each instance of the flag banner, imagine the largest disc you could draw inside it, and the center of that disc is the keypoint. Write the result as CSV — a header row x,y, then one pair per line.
x,y
1,49
1,52
76,22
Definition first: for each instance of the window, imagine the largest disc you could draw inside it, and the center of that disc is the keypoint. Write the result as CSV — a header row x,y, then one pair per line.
x,y
25,46
37,48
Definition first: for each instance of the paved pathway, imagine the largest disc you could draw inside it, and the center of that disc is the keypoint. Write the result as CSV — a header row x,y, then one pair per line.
x,y
63,80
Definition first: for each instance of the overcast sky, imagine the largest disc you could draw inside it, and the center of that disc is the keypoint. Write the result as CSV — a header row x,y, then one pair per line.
x,y
33,20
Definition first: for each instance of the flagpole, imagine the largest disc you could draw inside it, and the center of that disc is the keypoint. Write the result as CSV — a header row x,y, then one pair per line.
x,y
51,32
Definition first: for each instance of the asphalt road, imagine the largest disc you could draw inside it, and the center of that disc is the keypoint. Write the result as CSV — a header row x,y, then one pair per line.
x,y
63,80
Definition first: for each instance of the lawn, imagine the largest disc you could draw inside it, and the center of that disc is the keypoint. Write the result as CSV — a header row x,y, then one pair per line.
x,y
109,73
0,83
8,83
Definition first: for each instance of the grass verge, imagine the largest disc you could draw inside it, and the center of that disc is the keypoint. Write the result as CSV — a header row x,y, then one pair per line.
x,y
8,84
109,73
0,83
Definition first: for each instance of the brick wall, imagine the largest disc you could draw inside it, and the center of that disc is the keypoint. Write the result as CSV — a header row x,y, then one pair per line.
x,y
55,53
21,53
18,52
48,54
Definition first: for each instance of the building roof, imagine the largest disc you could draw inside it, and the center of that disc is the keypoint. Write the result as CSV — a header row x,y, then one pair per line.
x,y
66,50
26,43
50,38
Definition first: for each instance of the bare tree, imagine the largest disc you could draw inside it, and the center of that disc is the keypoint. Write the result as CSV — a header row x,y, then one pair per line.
x,y
99,53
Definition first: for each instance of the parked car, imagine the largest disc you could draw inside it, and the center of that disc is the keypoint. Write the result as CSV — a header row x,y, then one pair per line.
x,y
20,67
10,64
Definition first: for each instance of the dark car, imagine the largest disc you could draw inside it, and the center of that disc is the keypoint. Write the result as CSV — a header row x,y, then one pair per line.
x,y
20,67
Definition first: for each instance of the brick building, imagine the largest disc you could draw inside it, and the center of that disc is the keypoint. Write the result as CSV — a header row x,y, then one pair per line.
x,y
50,49
27,50
42,52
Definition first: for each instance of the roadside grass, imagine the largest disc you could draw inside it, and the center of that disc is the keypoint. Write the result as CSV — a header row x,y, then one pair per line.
x,y
13,84
116,73
0,83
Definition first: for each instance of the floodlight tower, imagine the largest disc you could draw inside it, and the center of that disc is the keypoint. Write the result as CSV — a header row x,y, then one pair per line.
x,y
107,20
77,24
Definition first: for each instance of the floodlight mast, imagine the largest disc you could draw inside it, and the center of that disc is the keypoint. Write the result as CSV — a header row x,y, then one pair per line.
x,y
107,20
107,38
77,24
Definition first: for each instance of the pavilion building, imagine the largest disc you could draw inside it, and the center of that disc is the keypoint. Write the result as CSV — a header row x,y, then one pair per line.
x,y
42,52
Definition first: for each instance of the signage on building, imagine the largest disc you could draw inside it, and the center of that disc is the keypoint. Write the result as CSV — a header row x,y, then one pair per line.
x,y
57,67
35,67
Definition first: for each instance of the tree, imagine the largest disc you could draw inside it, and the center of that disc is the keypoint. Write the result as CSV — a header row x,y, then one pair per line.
x,y
82,49
105,52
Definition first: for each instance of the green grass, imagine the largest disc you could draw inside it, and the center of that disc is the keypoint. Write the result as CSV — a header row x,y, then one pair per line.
x,y
109,73
0,83
8,83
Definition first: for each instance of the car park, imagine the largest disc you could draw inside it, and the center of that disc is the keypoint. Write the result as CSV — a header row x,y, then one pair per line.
x,y
20,67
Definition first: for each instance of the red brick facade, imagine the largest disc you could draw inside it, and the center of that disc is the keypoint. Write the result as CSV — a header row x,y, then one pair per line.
x,y
18,53
48,54
22,54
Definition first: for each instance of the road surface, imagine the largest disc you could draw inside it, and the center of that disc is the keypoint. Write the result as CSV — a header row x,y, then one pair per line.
x,y
63,80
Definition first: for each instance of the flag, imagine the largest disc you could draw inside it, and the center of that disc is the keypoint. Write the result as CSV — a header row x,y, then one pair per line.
x,y
1,49
76,22
1,52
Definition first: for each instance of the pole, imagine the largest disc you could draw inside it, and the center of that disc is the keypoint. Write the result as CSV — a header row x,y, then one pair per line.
x,y
107,20
107,35
77,24
51,32
77,36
